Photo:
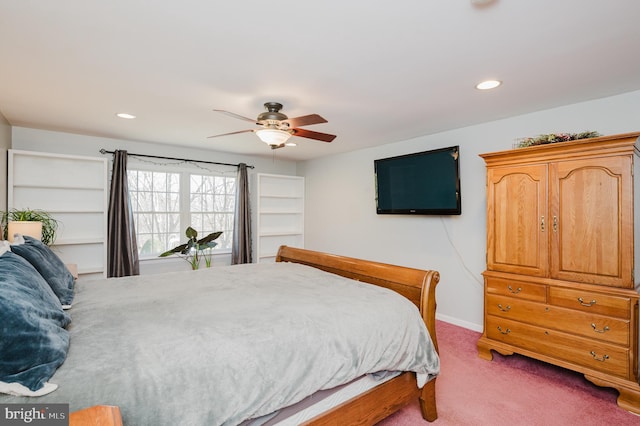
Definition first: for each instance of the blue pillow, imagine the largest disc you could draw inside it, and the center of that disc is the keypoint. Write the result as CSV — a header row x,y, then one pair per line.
x,y
52,269
33,340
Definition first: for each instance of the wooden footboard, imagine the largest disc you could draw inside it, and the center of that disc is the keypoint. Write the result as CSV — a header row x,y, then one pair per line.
x,y
417,285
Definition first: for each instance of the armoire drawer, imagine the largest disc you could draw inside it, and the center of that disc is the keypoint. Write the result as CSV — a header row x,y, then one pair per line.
x,y
587,301
600,356
519,289
593,326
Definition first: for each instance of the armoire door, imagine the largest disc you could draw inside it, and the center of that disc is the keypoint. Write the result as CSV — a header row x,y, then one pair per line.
x,y
517,222
592,221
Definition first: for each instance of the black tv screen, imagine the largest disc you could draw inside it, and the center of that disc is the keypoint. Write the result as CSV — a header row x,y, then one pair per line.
x,y
426,183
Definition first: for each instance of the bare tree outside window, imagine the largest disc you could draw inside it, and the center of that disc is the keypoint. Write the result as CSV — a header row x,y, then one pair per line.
x,y
212,206
157,197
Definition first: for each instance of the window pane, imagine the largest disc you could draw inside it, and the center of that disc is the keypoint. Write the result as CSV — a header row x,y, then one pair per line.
x,y
145,181
174,183
145,243
196,182
173,203
159,202
174,223
155,200
159,182
212,197
196,222
231,186
196,202
207,202
145,223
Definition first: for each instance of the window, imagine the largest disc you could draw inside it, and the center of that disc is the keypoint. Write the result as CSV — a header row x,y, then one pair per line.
x,y
212,205
164,204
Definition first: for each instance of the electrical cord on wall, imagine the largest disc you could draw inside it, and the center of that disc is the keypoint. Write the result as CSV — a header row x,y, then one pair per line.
x,y
460,258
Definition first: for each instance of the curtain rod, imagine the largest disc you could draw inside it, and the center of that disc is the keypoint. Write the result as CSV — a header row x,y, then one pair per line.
x,y
104,151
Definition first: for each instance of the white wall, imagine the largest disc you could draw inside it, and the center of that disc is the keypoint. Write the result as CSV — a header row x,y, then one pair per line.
x,y
340,212
29,139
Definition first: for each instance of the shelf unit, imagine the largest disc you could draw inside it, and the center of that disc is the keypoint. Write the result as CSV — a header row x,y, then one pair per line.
x,y
73,189
280,214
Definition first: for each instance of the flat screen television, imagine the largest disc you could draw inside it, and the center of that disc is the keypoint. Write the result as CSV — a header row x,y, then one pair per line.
x,y
422,183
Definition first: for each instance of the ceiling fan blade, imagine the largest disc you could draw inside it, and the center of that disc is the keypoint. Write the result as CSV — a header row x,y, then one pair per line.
x,y
305,120
234,115
231,133
310,134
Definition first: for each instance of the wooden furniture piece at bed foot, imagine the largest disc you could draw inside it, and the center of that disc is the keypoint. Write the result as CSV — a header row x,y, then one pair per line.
x,y
380,402
98,415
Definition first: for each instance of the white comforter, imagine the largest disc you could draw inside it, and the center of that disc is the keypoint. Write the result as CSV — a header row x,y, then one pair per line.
x,y
221,345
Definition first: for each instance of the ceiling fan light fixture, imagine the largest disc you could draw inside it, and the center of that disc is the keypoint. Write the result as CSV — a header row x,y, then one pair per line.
x,y
273,136
276,128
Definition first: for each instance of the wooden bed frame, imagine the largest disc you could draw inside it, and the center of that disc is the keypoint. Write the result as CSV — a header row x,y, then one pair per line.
x,y
419,286
416,285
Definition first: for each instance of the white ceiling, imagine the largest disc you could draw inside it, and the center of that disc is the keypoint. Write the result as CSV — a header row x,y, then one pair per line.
x,y
378,71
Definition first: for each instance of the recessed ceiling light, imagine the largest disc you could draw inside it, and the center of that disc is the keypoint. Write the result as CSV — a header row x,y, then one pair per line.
x,y
125,115
488,84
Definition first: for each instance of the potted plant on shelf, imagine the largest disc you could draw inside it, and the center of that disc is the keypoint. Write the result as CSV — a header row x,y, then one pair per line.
x,y
35,223
195,249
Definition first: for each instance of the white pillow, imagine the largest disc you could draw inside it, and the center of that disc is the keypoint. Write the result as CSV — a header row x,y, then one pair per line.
x,y
18,239
5,246
21,390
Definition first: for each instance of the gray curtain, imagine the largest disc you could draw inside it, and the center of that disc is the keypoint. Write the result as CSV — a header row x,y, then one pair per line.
x,y
241,250
123,249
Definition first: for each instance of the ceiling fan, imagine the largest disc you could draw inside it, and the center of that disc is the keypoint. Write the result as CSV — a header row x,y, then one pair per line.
x,y
277,128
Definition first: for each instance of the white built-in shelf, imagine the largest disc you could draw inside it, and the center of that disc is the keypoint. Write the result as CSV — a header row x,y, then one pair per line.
x,y
73,189
78,241
280,233
280,214
61,187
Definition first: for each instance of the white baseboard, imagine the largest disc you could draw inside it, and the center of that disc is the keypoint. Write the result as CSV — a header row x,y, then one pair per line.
x,y
459,322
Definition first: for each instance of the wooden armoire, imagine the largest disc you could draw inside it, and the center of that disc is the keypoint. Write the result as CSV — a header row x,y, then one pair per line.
x,y
559,284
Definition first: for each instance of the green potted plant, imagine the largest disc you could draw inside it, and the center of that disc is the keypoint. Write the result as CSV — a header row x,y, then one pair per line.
x,y
12,218
195,249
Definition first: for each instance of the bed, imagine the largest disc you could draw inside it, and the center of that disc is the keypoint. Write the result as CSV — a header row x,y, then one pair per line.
x,y
129,336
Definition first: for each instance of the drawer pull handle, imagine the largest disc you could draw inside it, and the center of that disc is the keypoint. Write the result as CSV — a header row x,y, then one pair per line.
x,y
507,309
507,331
604,330
583,303
516,291
601,359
